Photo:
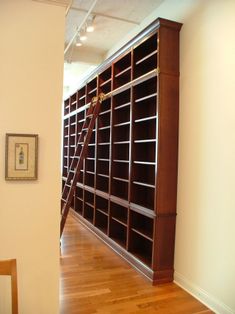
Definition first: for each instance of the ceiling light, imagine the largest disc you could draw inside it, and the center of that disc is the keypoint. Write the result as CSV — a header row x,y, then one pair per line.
x,y
83,36
78,42
90,24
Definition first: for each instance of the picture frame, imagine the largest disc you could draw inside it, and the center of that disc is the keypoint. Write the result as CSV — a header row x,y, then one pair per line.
x,y
21,157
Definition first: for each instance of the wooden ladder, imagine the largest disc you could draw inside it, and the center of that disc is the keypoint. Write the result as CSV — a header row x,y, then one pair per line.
x,y
78,158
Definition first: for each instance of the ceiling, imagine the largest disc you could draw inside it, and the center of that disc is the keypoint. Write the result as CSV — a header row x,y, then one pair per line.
x,y
113,20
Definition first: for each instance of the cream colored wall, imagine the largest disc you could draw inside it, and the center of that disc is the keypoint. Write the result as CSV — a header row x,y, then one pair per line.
x,y
205,250
31,65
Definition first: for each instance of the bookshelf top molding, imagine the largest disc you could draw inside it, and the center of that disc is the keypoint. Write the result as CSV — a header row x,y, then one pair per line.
x,y
147,31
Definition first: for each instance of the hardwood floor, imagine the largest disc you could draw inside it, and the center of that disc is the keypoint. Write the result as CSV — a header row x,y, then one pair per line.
x,y
95,280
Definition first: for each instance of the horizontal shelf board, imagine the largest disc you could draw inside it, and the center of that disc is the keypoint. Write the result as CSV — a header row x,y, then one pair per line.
x,y
143,234
122,106
102,211
145,141
79,198
92,91
104,128
82,97
142,210
89,204
147,163
121,161
119,201
122,142
82,120
104,112
103,159
147,57
146,119
123,71
119,221
72,134
106,82
89,158
90,172
66,136
73,123
121,179
144,184
103,175
66,126
91,144
145,97
105,143
122,124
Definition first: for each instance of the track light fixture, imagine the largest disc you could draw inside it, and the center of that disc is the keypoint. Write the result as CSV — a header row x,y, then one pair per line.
x,y
78,41
90,24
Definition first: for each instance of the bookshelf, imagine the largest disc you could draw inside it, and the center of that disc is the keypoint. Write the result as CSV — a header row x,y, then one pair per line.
x,y
126,193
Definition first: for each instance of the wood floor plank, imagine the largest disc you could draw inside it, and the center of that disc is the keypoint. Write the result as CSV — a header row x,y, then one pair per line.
x,y
95,280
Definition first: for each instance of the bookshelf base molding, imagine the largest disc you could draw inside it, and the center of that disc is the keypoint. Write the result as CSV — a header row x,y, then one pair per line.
x,y
156,277
126,193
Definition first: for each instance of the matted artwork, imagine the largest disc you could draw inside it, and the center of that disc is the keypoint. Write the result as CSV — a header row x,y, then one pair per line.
x,y
21,156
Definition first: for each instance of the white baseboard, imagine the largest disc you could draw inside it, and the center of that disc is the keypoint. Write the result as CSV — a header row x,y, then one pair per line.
x,y
203,296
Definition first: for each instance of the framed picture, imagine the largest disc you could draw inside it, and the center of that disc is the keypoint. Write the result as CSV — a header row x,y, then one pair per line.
x,y
21,156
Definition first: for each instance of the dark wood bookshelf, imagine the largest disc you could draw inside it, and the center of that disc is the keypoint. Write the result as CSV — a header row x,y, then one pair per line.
x,y
126,193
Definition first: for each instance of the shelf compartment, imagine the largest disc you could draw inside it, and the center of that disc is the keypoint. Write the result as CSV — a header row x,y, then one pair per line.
x,y
145,56
78,206
105,81
101,221
142,225
143,195
91,89
102,204
102,183
141,247
145,65
89,165
73,102
88,213
122,100
119,213
103,151
121,153
106,105
119,189
144,173
121,132
66,107
91,152
104,119
104,135
122,71
81,97
144,151
122,115
120,170
118,232
89,198
102,167
89,179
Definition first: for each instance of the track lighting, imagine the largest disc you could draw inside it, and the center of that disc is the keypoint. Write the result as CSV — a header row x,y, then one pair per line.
x,y
78,41
83,35
90,24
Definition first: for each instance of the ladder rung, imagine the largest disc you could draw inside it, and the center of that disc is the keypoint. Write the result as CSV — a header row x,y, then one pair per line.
x,y
63,200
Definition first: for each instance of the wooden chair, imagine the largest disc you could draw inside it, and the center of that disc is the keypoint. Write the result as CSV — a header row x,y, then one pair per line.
x,y
8,268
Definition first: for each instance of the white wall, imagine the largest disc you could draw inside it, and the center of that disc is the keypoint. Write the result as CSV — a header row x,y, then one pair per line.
x,y
205,250
31,65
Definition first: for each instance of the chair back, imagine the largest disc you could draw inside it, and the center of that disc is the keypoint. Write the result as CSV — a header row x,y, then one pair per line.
x,y
8,268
